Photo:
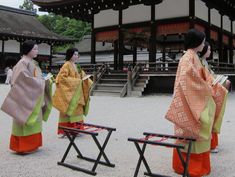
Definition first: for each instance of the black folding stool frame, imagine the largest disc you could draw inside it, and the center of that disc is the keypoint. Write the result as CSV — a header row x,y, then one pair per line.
x,y
71,133
146,141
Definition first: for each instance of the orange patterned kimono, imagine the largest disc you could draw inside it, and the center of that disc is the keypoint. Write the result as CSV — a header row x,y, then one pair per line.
x,y
192,111
71,97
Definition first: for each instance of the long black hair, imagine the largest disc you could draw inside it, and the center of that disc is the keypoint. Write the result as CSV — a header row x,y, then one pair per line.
x,y
69,53
27,46
193,38
204,50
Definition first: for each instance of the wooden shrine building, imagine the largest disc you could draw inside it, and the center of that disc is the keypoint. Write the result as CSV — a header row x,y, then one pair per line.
x,y
158,25
18,25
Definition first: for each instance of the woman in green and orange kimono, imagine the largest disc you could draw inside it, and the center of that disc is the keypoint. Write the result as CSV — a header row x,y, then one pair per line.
x,y
193,108
219,95
28,102
71,97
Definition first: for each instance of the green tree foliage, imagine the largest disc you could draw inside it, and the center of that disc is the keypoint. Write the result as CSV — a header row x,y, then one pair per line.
x,y
28,5
65,26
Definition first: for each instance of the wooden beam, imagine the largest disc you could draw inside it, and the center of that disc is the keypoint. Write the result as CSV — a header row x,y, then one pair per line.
x,y
152,40
120,41
93,43
231,43
192,13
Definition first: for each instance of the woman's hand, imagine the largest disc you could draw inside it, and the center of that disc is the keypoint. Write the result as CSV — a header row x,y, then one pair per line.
x,y
227,84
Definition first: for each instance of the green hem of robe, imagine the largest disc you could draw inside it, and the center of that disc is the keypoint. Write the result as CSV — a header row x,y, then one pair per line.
x,y
26,130
207,119
33,124
49,106
35,113
217,125
71,119
87,106
74,102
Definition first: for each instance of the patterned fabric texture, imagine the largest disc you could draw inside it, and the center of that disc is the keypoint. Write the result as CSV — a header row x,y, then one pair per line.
x,y
191,95
68,81
219,94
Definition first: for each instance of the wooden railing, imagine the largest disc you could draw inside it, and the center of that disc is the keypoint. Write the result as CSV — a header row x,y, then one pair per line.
x,y
124,90
98,75
222,67
158,67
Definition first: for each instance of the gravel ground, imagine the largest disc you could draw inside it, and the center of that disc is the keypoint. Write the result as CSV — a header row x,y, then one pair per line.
x,y
131,117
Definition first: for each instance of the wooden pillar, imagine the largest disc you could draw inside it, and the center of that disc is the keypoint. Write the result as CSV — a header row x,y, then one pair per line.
x,y
164,48
3,43
120,42
231,43
93,42
50,59
129,81
115,54
220,40
2,62
191,13
208,35
134,55
152,40
208,31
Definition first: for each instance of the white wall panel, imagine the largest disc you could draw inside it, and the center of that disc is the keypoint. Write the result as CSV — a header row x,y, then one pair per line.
x,y
44,49
215,17
226,23
201,10
137,13
233,27
172,9
12,46
106,18
234,56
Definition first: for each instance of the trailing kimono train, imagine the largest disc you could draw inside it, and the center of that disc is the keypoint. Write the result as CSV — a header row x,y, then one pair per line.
x,y
28,102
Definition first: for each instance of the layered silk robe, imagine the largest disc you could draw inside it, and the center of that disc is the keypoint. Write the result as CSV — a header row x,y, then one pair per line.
x,y
71,97
220,98
194,112
28,102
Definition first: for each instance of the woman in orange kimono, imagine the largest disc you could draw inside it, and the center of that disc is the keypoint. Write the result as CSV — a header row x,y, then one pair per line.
x,y
193,108
71,97
28,102
218,88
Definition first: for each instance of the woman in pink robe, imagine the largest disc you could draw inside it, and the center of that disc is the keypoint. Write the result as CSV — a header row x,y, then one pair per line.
x,y
28,102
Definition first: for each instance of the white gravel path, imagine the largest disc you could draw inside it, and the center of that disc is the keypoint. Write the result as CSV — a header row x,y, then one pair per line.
x,y
131,117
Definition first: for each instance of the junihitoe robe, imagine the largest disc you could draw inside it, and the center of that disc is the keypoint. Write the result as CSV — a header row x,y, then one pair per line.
x,y
28,102
71,97
219,93
192,111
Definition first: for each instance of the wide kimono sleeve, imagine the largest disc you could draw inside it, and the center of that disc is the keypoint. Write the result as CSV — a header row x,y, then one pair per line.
x,y
68,91
86,86
191,101
219,94
46,109
25,99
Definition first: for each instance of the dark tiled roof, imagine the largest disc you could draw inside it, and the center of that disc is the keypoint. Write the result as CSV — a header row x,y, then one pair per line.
x,y
21,24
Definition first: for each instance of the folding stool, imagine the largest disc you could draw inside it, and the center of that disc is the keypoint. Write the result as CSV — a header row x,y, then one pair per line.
x,y
89,129
145,141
